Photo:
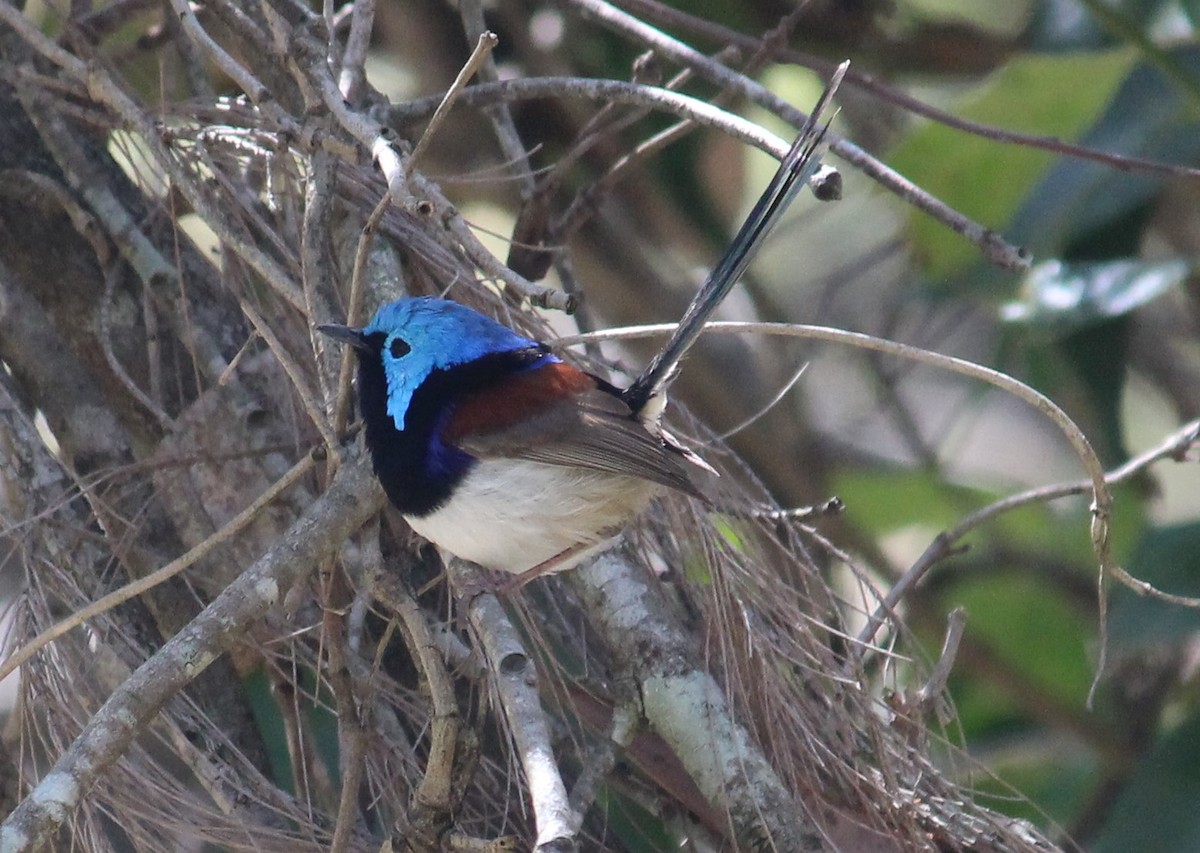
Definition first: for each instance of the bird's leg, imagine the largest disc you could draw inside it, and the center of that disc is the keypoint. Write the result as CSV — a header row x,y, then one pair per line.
x,y
494,582
562,560
482,581
545,567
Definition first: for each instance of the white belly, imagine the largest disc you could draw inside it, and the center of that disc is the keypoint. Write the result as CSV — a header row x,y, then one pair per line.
x,y
511,515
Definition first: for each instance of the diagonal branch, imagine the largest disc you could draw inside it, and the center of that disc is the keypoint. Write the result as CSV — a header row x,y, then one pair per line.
x,y
351,499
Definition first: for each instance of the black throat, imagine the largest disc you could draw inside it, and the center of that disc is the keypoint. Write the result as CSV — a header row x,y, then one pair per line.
x,y
418,471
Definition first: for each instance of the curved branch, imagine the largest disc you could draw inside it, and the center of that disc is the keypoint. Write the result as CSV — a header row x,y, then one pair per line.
x,y
1173,447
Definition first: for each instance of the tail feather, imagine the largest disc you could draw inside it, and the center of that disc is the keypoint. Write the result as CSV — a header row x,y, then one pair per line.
x,y
647,393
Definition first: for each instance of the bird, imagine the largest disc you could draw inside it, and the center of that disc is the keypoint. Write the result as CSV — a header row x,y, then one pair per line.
x,y
500,452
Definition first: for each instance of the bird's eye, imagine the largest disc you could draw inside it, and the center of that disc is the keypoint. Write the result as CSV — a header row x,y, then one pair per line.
x,y
399,348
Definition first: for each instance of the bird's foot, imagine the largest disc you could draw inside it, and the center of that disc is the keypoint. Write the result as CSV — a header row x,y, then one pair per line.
x,y
559,562
481,581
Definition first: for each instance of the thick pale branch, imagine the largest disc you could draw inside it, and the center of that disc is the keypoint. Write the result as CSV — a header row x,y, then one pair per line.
x,y
351,499
514,675
687,708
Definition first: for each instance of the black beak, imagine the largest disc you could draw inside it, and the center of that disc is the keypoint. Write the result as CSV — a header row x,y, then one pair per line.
x,y
345,334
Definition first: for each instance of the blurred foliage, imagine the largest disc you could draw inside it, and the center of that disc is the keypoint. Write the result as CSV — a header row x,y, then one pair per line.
x,y
1110,309
1106,324
988,182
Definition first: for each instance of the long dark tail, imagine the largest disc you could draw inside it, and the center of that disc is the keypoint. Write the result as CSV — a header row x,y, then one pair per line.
x,y
801,162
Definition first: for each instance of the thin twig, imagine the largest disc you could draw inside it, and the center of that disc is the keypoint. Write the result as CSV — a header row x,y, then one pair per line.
x,y
317,266
993,246
763,410
514,675
353,74
131,590
764,49
934,688
352,714
617,91
111,275
376,138
944,543
434,797
354,310
483,49
352,498
505,127
1101,508
679,20
316,412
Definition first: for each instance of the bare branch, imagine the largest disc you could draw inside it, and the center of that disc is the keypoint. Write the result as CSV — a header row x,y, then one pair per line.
x,y
352,498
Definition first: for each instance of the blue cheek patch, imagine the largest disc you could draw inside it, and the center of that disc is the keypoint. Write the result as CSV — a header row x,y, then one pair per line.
x,y
439,335
404,376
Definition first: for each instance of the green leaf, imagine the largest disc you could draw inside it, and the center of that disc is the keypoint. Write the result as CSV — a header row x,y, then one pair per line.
x,y
1067,25
1156,811
1065,295
1033,628
629,822
999,20
890,499
1191,8
1168,558
266,716
987,180
1146,118
1058,776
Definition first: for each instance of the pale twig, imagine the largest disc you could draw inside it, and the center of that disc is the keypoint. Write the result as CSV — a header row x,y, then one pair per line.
x,y
993,246
434,797
770,404
318,273
353,73
353,714
614,91
189,185
131,590
316,412
833,506
538,295
942,545
352,498
933,690
688,708
483,49
514,675
505,127
434,204
354,310
258,93
765,48
678,20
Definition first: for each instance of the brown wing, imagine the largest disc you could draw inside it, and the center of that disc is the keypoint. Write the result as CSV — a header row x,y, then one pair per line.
x,y
559,415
